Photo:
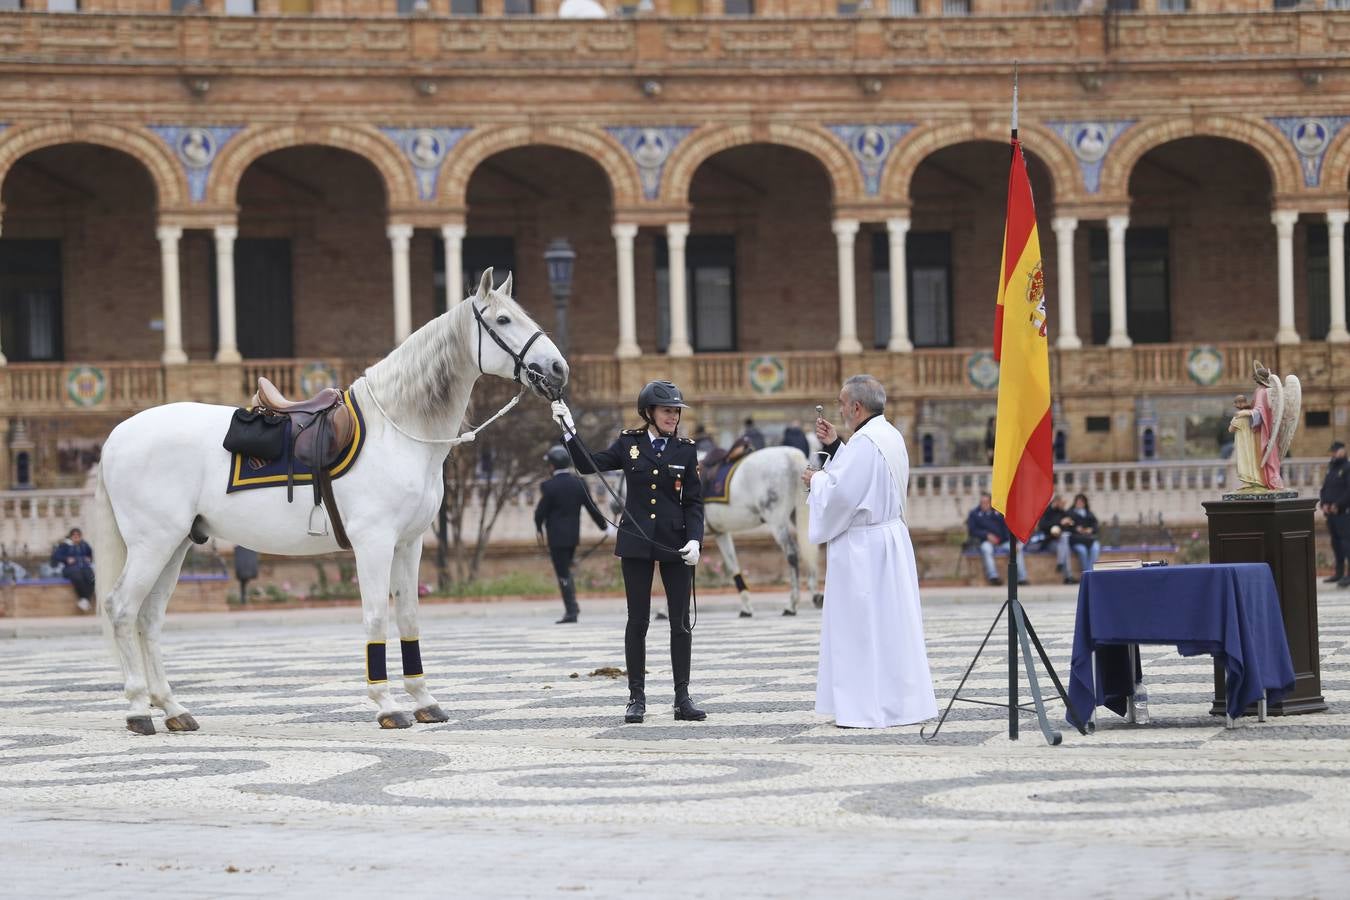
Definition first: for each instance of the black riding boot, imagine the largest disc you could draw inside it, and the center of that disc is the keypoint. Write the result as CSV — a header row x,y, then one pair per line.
x,y
569,598
635,654
681,649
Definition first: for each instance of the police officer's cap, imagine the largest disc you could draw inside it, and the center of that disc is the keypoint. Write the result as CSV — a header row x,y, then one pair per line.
x,y
660,393
1336,445
558,457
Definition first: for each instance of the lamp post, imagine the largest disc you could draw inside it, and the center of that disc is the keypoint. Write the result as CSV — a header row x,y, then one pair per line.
x,y
560,259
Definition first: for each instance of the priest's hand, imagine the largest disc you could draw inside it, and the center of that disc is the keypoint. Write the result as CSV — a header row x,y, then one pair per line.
x,y
825,431
689,552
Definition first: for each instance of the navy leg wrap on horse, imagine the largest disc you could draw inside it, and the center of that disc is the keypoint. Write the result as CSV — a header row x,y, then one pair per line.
x,y
740,582
412,658
375,665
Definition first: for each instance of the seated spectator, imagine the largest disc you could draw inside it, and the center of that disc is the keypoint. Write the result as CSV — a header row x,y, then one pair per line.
x,y
985,527
1083,539
75,560
1055,527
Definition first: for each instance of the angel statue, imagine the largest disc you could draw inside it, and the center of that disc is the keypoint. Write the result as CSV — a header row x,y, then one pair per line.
x,y
1263,429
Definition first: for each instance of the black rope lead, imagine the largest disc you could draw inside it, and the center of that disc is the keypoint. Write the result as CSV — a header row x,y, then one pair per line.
x,y
692,616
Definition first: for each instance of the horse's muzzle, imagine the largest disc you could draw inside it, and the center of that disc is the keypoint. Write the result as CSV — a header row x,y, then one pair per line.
x,y
548,384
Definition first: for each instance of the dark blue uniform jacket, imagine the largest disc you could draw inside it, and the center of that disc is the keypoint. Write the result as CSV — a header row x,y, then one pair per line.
x,y
664,499
561,499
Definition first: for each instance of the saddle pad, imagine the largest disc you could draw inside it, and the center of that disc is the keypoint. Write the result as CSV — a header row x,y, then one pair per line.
x,y
717,482
247,473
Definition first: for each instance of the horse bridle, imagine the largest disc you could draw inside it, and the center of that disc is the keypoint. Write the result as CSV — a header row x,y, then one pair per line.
x,y
536,379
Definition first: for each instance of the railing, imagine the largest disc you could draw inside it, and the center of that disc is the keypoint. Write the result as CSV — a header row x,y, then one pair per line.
x,y
744,375
656,44
32,520
297,378
45,387
1169,363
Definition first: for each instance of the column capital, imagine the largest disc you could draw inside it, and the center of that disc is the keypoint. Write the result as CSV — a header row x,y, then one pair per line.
x,y
227,233
844,227
1337,218
399,232
898,225
623,231
454,231
168,233
677,231
1284,218
1069,224
1117,223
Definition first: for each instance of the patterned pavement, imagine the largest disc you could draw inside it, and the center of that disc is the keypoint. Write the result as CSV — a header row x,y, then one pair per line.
x,y
536,766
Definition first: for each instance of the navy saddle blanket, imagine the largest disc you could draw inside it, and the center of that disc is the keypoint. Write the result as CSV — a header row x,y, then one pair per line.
x,y
247,472
717,481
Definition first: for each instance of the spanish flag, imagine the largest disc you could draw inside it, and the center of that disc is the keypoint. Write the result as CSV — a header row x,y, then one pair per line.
x,y
1022,457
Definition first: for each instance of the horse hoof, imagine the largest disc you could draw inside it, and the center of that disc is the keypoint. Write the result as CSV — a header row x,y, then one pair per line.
x,y
428,714
183,722
140,724
789,612
746,615
395,720
818,600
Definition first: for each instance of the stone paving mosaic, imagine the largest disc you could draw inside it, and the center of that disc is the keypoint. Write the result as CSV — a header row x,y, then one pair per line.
x,y
288,736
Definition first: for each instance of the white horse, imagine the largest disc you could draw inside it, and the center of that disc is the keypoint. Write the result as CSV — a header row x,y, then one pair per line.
x,y
163,477
765,489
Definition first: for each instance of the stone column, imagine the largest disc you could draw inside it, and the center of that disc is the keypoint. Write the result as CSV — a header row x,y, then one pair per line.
x,y
1284,220
1068,313
3,361
676,233
896,231
399,236
623,243
172,294
845,231
227,349
1120,335
1336,219
453,238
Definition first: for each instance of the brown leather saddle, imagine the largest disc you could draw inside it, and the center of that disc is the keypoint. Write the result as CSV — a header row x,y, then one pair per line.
x,y
321,429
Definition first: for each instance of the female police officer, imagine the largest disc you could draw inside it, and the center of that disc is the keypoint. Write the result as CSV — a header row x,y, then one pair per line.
x,y
662,523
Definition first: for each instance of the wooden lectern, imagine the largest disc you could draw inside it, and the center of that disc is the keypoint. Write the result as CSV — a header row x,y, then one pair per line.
x,y
1278,529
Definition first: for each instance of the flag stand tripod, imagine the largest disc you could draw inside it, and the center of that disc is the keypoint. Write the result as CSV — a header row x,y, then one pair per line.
x,y
1020,634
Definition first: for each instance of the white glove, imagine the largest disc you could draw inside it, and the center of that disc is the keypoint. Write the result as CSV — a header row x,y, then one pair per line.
x,y
563,414
690,553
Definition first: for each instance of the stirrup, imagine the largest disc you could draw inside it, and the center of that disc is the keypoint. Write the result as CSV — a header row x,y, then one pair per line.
x,y
322,530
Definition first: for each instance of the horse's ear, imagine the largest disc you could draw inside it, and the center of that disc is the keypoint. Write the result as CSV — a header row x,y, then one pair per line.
x,y
485,284
506,285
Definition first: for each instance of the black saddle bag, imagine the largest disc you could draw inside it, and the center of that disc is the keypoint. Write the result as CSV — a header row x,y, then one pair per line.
x,y
253,432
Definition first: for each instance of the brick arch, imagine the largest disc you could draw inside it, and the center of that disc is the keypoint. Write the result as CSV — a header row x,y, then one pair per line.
x,y
845,180
168,177
257,141
1269,144
624,184
923,142
1336,166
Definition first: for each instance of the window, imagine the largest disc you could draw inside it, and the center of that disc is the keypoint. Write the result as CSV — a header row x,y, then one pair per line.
x,y
11,5
1319,280
1338,4
1120,6
63,6
1286,4
185,5
408,7
466,8
30,300
1174,6
710,277
956,7
518,8
903,7
1064,6
1148,316
928,258
738,7
241,7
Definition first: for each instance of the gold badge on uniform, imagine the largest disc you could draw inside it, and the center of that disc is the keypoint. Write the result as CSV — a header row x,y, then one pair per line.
x,y
633,452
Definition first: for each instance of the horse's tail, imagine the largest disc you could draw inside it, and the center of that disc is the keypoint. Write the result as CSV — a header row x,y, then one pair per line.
x,y
110,548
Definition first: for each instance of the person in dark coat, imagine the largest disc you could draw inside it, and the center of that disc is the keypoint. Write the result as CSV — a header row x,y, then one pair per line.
x,y
1054,528
1083,539
558,515
986,529
793,436
662,525
753,434
1334,501
75,558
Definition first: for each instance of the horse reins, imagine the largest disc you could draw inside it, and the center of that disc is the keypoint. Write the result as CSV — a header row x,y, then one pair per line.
x,y
624,514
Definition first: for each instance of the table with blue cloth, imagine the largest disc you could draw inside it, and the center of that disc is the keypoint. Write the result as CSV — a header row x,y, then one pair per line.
x,y
1230,611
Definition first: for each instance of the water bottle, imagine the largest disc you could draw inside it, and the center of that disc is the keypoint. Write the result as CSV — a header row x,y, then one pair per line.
x,y
1141,703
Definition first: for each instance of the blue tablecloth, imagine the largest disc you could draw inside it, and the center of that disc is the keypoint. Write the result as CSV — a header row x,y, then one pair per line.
x,y
1230,611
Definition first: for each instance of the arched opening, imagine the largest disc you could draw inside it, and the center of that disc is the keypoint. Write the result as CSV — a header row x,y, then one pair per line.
x,y
959,198
79,262
312,266
1200,236
760,259
520,200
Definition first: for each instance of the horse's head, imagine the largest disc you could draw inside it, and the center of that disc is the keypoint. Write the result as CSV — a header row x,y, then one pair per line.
x,y
509,344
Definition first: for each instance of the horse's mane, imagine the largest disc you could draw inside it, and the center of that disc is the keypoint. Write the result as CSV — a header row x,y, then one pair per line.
x,y
429,376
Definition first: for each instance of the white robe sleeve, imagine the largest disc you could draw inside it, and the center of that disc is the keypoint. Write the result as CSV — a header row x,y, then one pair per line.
x,y
840,492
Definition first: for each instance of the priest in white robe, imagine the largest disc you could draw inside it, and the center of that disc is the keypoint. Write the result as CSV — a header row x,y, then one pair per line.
x,y
873,663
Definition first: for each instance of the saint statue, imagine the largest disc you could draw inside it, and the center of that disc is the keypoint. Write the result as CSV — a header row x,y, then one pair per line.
x,y
1263,429
1245,455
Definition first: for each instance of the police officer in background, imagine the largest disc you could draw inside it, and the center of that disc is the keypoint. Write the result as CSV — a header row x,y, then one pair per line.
x,y
1334,501
662,524
559,515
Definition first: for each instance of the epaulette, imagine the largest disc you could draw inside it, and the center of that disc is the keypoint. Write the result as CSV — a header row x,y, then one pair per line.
x,y
634,431
685,440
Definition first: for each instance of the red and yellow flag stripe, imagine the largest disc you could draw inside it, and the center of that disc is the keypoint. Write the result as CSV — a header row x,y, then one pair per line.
x,y
1023,462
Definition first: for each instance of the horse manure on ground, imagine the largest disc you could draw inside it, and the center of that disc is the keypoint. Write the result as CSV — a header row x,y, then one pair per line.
x,y
608,672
